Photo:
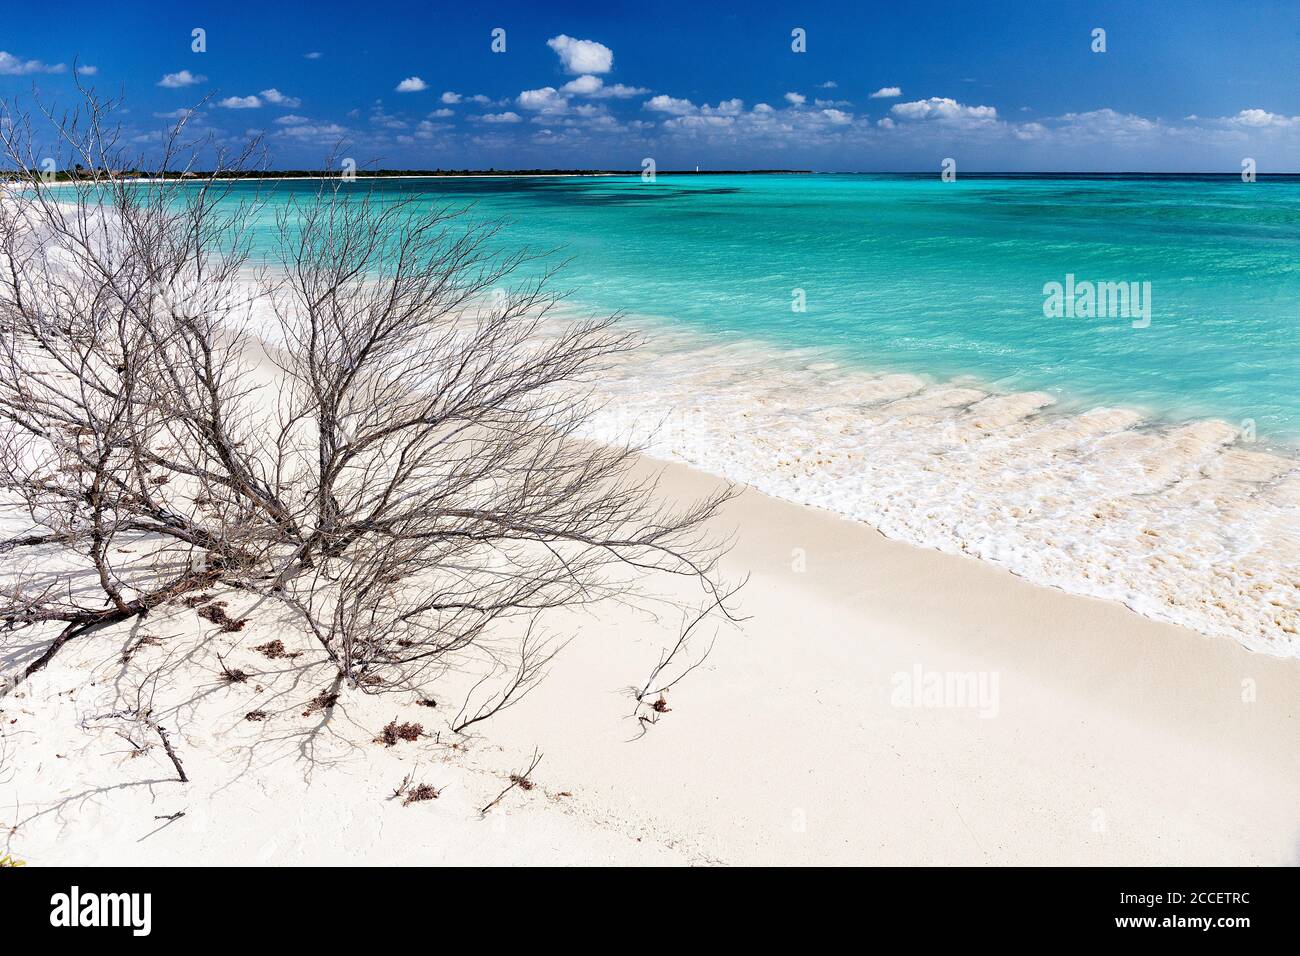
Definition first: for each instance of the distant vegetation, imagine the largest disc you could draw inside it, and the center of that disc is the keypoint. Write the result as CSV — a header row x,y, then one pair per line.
x,y
82,173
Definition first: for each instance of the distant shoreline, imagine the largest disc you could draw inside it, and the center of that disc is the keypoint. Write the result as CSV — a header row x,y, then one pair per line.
x,y
297,174
308,174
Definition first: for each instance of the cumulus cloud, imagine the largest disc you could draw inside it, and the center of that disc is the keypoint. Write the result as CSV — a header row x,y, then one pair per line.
x,y
944,109
240,103
313,55
88,70
509,116
279,99
887,93
173,81
730,107
451,99
669,104
442,113
1030,131
412,84
582,56
11,65
1108,121
545,100
584,85
1258,118
762,123
796,99
828,85
594,86
292,119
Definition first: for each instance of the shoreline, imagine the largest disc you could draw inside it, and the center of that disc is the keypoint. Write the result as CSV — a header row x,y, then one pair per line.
x,y
1181,522
1066,400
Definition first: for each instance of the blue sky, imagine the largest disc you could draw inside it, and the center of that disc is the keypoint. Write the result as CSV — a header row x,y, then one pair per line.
x,y
1182,84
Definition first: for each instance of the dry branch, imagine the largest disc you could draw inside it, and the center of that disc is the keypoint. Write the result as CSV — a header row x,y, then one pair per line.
x,y
402,469
521,779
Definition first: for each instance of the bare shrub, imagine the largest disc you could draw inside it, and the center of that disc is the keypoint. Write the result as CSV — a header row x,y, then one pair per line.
x,y
398,463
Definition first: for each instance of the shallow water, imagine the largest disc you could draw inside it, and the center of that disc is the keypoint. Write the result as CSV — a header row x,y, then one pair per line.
x,y
906,273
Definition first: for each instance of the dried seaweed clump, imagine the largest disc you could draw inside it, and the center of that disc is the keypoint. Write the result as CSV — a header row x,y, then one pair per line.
x,y
393,732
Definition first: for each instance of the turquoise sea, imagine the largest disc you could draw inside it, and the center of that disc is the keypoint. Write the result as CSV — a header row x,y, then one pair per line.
x,y
909,273
924,389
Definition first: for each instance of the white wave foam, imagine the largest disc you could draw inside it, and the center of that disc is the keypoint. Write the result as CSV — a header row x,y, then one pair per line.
x,y
1182,523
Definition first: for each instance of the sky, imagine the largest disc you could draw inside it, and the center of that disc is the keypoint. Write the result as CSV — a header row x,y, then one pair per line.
x,y
1170,85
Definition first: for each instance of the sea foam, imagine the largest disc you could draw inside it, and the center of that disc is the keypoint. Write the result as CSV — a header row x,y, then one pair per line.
x,y
1182,522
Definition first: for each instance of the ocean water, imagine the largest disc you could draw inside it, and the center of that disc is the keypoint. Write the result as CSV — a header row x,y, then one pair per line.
x,y
878,346
908,273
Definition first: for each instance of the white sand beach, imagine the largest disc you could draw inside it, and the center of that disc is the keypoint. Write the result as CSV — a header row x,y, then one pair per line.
x,y
880,703
1111,739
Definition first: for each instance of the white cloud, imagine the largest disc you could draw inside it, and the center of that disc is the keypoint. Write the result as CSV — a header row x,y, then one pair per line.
x,y
584,85
730,107
594,86
582,56
1258,118
279,99
619,91
11,65
887,93
546,100
828,85
1029,131
730,121
669,104
313,55
451,99
1108,121
88,70
173,81
179,114
331,132
885,123
292,119
412,84
945,110
442,113
240,103
509,116
795,99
